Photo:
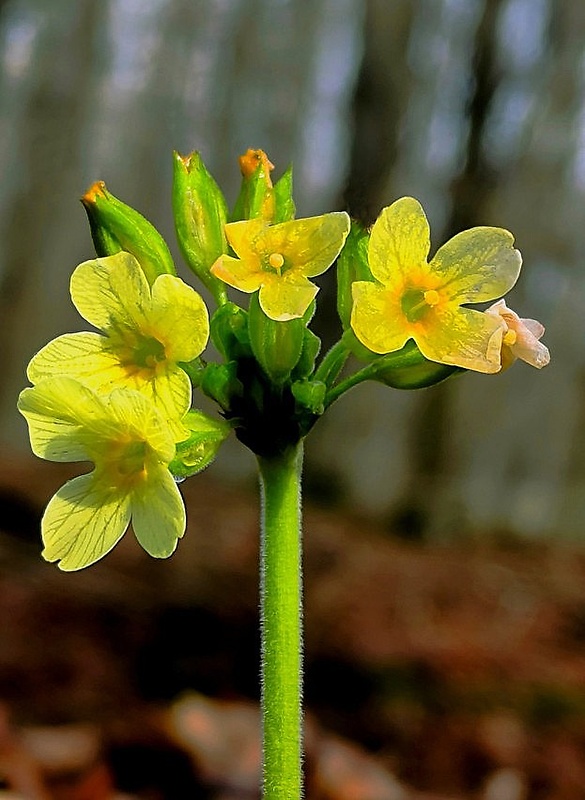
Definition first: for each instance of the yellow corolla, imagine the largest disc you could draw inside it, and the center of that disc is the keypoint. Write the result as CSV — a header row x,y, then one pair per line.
x,y
131,445
415,299
145,333
279,259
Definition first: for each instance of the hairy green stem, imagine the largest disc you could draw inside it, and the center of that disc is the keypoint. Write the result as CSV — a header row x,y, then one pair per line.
x,y
281,624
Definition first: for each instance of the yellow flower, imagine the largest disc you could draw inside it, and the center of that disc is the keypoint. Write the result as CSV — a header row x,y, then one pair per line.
x,y
520,337
131,445
279,259
414,299
145,333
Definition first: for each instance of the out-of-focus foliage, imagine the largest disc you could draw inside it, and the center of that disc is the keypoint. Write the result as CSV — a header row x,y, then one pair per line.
x,y
474,106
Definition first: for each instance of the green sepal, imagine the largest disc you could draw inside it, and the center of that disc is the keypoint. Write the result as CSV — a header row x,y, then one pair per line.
x,y
284,204
200,213
116,226
309,352
200,449
352,265
277,346
310,396
221,383
409,369
229,332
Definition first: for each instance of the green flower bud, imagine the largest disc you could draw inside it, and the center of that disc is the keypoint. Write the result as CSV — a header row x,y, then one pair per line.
x,y
310,396
229,332
200,449
352,265
116,226
277,346
221,383
200,213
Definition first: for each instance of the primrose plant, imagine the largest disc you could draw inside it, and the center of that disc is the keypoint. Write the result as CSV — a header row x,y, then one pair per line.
x,y
121,395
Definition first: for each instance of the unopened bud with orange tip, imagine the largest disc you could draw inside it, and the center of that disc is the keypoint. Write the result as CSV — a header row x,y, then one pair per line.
x,y
256,197
259,198
116,226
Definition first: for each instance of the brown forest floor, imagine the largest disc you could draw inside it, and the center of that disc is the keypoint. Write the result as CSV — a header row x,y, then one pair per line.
x,y
432,673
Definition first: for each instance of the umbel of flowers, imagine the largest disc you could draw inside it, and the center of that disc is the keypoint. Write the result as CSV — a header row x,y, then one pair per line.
x,y
122,395
406,318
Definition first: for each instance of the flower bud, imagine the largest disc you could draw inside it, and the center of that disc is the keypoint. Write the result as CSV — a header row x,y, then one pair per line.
x,y
116,226
221,383
256,197
200,448
310,395
276,345
229,332
200,213
352,265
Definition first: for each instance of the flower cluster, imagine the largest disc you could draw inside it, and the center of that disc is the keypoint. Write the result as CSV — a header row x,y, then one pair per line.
x,y
120,396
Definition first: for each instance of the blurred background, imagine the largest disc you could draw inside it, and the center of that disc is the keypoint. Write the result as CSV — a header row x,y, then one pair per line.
x,y
463,506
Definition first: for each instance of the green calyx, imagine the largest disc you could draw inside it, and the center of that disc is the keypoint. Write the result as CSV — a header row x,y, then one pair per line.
x,y
200,448
116,226
277,346
352,265
200,213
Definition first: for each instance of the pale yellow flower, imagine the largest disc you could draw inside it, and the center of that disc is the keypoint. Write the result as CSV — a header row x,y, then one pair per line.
x,y
145,333
131,445
278,260
414,299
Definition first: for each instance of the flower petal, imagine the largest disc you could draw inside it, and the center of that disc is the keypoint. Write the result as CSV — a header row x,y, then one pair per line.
x,y
375,318
170,391
461,337
309,245
526,333
59,412
477,265
178,318
135,414
399,242
85,356
243,237
158,514
83,522
112,292
247,276
286,298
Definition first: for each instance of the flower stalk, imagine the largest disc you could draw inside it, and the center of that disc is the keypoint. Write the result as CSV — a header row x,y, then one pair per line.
x,y
281,623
